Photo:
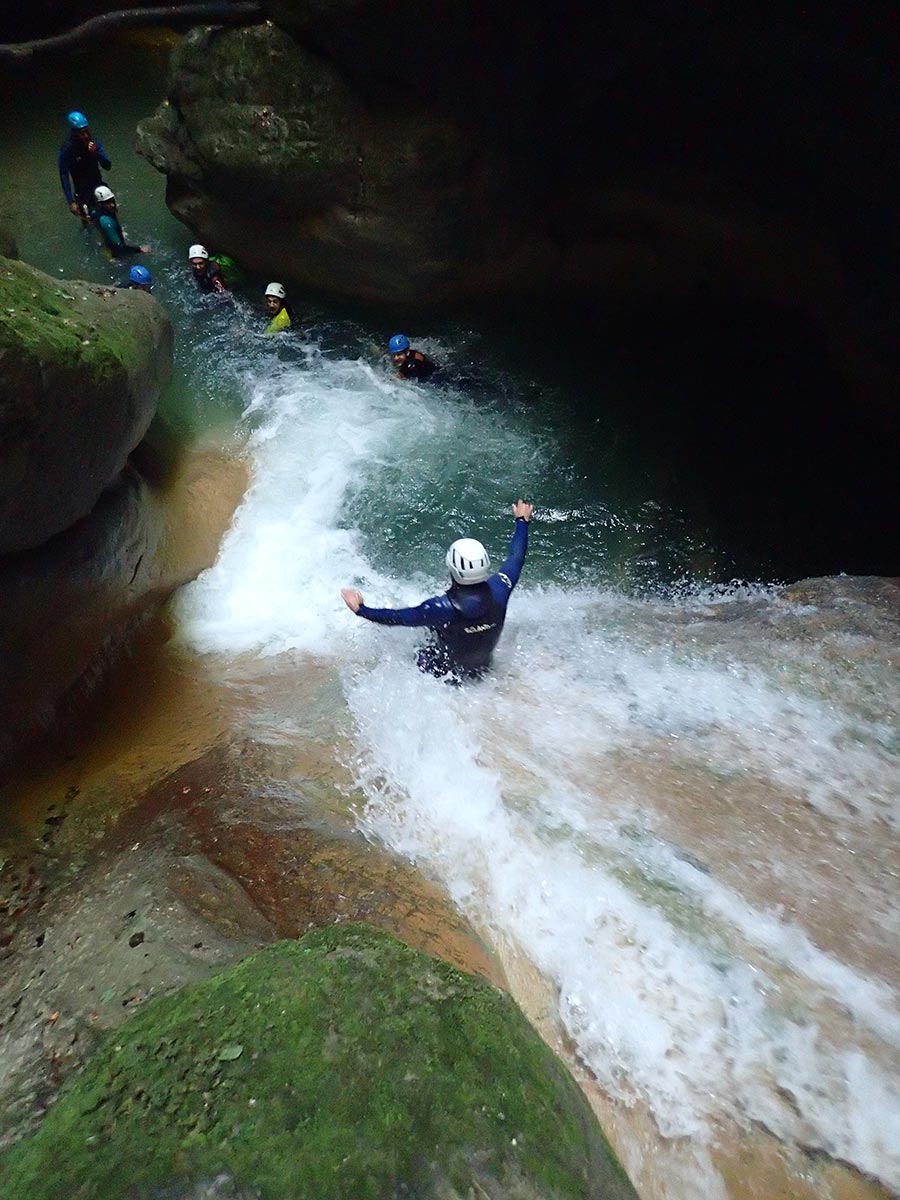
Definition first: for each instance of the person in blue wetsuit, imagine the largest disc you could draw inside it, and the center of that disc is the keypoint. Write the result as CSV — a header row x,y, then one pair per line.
x,y
80,158
468,618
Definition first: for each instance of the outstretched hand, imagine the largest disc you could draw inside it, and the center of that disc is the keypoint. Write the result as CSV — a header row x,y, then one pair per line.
x,y
352,598
522,509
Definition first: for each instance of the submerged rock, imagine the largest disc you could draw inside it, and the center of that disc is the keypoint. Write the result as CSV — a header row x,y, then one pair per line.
x,y
345,1064
80,372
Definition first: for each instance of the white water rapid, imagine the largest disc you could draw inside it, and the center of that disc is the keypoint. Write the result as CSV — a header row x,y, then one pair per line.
x,y
681,808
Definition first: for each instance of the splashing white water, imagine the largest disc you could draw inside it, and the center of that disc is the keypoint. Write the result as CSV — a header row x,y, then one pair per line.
x,y
545,797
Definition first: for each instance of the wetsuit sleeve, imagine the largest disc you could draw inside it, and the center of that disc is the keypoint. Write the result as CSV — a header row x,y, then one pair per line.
x,y
63,161
435,613
512,567
102,156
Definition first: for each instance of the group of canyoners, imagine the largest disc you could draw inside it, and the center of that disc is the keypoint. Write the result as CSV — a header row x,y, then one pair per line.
x,y
81,160
467,619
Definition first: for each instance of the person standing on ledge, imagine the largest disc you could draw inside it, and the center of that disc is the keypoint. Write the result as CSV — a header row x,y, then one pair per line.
x,y
468,618
280,312
409,363
207,274
80,158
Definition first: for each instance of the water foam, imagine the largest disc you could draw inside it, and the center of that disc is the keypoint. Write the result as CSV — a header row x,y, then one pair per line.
x,y
523,795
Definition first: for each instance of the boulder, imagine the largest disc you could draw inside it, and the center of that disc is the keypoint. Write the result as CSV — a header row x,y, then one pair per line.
x,y
345,1064
66,605
420,154
274,156
80,372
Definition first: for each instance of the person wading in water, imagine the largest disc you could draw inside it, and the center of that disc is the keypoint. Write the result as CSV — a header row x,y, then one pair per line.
x,y
80,158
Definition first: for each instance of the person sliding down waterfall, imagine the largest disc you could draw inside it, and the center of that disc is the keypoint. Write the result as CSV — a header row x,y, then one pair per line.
x,y
468,619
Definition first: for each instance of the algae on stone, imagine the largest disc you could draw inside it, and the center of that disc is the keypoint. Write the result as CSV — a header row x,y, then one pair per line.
x,y
81,370
342,1065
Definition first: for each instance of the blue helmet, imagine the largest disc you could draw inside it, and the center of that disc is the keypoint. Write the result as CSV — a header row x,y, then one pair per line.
x,y
140,276
398,343
77,120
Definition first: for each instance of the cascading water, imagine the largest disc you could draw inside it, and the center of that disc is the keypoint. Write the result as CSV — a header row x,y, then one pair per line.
x,y
679,804
664,802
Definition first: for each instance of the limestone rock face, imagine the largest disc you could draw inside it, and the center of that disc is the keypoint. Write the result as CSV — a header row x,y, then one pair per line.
x,y
420,153
341,1065
80,372
62,603
276,157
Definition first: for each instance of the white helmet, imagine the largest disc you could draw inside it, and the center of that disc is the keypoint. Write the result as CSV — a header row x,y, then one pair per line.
x,y
198,251
276,289
468,561
102,194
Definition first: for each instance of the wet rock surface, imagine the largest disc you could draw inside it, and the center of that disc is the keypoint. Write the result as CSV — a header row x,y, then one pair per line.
x,y
82,366
65,604
70,607
202,871
344,1064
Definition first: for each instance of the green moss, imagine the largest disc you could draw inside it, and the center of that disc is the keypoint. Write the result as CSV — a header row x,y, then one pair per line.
x,y
343,1065
48,322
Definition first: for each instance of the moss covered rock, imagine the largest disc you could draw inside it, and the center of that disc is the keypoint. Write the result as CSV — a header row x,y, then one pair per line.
x,y
343,1065
80,372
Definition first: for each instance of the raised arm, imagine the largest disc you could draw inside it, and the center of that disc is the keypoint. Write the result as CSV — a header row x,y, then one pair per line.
x,y
512,567
431,614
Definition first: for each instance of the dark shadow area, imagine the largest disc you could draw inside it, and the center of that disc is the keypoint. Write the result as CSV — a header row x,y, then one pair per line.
x,y
737,416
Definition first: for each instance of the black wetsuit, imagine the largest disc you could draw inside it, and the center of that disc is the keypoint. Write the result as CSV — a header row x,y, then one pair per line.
x,y
77,162
205,280
416,366
467,620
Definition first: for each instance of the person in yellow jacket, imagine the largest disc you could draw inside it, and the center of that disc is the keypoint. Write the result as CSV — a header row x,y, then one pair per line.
x,y
280,312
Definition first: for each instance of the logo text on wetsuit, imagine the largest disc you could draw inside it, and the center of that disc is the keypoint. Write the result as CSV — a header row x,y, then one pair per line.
x,y
479,628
